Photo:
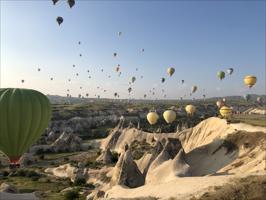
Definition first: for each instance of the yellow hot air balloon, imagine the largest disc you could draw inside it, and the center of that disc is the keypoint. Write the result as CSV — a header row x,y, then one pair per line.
x,y
226,111
169,116
152,117
190,109
171,71
250,80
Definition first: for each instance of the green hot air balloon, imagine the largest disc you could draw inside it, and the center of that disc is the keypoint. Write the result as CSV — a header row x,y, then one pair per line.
x,y
221,75
24,116
247,97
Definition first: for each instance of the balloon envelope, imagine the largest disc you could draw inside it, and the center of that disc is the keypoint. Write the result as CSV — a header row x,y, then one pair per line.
x,y
71,3
250,80
194,89
220,103
59,20
190,109
221,75
24,116
171,71
230,71
169,116
152,118
226,111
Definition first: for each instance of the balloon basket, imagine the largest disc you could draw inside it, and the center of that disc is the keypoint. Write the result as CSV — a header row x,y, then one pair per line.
x,y
14,163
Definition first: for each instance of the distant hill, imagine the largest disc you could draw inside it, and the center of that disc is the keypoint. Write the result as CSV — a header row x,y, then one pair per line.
x,y
56,99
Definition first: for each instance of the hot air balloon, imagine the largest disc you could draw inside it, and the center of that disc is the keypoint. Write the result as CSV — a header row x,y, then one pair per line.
x,y
169,116
247,97
117,68
219,104
152,117
74,65
250,80
142,50
129,89
162,80
59,20
51,79
39,69
55,1
87,94
141,77
79,43
145,95
24,116
133,79
114,54
221,75
22,81
183,81
190,109
171,71
226,111
80,54
224,100
230,71
69,80
77,74
115,94
194,89
101,70
137,69
71,3
120,33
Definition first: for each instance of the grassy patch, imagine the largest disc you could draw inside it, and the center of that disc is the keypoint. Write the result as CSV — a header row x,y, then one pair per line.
x,y
255,120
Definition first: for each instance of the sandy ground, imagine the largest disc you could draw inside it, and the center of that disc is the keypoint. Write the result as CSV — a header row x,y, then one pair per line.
x,y
179,189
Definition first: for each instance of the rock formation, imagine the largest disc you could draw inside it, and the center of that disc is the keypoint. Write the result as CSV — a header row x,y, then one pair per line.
x,y
126,172
67,142
106,157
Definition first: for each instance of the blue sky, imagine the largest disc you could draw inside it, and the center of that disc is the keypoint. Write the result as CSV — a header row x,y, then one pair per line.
x,y
197,38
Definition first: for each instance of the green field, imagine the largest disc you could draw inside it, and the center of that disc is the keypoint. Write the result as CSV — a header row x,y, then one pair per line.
x,y
255,120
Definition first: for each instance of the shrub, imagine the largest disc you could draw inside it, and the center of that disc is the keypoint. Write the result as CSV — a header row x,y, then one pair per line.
x,y
32,174
35,178
70,195
115,156
20,172
80,182
66,159
5,173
